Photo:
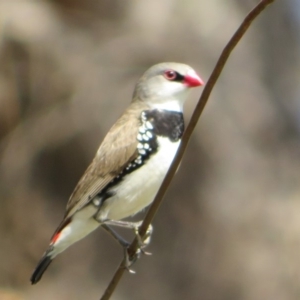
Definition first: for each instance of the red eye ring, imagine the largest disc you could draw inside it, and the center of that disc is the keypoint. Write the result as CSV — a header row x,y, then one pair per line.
x,y
170,74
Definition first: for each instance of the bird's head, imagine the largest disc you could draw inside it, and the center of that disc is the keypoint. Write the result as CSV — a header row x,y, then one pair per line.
x,y
166,85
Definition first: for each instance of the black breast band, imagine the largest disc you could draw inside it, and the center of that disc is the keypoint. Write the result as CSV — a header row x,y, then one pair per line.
x,y
154,123
166,123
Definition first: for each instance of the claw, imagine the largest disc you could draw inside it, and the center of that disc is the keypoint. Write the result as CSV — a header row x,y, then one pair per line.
x,y
146,252
144,241
130,260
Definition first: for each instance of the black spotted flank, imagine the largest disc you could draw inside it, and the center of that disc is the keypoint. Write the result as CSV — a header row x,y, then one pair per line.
x,y
154,123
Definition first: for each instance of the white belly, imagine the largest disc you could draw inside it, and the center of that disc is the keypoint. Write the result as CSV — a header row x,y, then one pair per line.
x,y
135,192
138,189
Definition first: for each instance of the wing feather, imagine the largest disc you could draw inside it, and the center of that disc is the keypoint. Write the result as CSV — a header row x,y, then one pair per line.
x,y
118,148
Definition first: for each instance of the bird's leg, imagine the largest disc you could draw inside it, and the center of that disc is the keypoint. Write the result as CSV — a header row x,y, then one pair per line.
x,y
142,241
125,244
129,259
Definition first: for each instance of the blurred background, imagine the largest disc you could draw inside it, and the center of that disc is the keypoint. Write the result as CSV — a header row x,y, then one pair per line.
x,y
229,227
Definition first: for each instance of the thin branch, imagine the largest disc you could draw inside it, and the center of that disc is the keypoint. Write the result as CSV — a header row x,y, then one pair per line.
x,y
189,130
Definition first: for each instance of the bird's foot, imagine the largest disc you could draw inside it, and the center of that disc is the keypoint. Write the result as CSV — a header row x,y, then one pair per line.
x,y
143,241
130,259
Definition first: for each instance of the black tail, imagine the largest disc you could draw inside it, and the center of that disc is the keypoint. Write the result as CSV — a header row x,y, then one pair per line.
x,y
40,269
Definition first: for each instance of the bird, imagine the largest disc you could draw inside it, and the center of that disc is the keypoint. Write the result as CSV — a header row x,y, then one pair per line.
x,y
130,163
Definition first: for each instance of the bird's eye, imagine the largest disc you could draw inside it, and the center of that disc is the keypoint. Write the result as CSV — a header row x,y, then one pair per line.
x,y
170,74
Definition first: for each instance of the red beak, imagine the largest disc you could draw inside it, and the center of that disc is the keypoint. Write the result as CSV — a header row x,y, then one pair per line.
x,y
192,79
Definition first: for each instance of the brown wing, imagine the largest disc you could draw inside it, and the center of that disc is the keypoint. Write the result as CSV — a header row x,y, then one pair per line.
x,y
118,148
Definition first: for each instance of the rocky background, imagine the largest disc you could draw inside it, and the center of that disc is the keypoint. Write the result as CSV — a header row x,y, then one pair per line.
x,y
230,224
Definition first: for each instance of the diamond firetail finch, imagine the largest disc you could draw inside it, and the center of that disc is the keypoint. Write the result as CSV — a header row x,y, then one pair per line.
x,y
131,162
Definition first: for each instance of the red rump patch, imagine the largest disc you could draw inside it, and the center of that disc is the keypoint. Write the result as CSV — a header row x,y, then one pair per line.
x,y
55,237
59,230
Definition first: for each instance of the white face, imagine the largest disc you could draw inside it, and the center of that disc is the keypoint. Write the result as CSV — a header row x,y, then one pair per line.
x,y
166,85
